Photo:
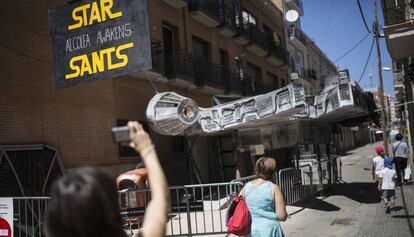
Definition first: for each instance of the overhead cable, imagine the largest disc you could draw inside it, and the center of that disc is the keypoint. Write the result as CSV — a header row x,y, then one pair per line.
x,y
394,106
350,50
337,19
366,63
363,17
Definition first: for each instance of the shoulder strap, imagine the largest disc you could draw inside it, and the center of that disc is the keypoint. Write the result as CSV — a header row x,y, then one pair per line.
x,y
395,149
251,190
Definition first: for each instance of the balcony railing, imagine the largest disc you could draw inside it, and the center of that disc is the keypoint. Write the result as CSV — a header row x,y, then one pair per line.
x,y
262,89
178,64
298,5
296,33
259,38
210,8
277,52
311,74
248,85
176,3
156,50
228,25
397,14
243,31
208,73
236,85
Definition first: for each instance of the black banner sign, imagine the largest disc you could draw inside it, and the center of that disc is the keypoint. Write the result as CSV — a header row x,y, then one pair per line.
x,y
99,39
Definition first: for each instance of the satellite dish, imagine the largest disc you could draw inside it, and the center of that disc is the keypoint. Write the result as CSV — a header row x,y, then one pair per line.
x,y
292,15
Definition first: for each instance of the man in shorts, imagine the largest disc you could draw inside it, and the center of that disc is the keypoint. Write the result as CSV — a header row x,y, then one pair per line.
x,y
386,183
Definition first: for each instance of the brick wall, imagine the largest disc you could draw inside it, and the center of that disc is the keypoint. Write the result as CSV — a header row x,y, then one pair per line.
x,y
77,120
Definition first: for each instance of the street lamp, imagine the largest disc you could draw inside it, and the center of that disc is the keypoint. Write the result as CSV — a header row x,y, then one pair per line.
x,y
386,69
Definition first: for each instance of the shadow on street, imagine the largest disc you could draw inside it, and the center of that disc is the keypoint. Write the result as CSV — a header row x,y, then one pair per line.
x,y
360,192
318,204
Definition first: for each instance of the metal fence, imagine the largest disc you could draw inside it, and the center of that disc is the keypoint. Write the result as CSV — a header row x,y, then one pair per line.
x,y
194,209
28,216
246,179
296,183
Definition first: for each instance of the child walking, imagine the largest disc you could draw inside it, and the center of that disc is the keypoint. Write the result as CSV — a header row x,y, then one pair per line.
x,y
386,183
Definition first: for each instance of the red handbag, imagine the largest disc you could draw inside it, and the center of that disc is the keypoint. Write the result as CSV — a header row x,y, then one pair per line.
x,y
240,223
238,215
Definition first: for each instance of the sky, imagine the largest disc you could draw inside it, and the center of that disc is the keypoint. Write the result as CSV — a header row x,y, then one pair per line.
x,y
336,26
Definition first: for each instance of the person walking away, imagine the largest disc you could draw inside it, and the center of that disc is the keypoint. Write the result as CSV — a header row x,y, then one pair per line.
x,y
400,150
265,201
378,163
387,185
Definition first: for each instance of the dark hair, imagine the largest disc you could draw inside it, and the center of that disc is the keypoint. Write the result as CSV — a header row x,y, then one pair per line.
x,y
84,203
399,137
265,168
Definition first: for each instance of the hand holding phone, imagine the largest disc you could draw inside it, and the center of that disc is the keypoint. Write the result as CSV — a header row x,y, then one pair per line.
x,y
121,134
133,135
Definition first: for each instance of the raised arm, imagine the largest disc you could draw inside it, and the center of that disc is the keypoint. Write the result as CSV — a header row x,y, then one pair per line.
x,y
280,204
157,211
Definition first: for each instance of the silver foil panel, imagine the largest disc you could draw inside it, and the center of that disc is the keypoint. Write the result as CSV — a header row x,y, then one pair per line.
x,y
171,114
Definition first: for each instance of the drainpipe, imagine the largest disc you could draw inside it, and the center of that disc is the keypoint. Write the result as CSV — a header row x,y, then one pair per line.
x,y
185,29
285,25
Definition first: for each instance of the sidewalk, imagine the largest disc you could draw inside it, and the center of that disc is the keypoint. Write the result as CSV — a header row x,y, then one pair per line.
x,y
354,207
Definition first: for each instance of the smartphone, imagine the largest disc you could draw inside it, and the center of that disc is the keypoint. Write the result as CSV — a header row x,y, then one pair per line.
x,y
121,134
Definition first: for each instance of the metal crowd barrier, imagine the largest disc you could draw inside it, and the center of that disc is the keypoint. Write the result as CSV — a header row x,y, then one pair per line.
x,y
244,180
307,157
296,183
194,209
28,215
336,168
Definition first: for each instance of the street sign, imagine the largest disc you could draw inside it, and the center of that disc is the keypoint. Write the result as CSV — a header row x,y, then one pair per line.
x,y
99,39
6,217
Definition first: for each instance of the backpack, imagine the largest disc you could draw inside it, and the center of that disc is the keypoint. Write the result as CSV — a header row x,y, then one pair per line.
x,y
238,217
239,221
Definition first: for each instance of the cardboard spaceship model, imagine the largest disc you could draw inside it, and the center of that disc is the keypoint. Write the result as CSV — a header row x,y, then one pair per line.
x,y
171,114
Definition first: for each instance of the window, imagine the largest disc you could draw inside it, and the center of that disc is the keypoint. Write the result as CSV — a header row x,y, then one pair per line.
x,y
250,18
276,40
170,42
271,80
283,82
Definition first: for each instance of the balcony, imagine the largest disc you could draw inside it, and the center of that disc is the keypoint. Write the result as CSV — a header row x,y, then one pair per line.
x,y
277,55
295,5
156,58
248,86
243,33
262,89
399,28
259,41
212,75
176,3
178,64
206,12
236,85
228,26
311,74
156,51
297,38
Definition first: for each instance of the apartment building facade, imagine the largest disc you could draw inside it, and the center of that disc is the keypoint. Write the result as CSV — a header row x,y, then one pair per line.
x,y
399,35
199,49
